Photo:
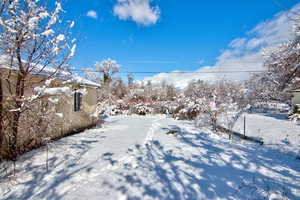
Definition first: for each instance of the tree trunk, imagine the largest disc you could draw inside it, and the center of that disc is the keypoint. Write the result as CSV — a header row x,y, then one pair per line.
x,y
106,78
1,116
14,135
19,96
20,85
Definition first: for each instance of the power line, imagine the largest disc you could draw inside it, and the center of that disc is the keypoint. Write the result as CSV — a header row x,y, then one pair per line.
x,y
187,72
173,72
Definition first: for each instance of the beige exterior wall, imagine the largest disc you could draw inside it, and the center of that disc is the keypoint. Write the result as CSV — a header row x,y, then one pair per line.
x,y
73,121
296,98
61,118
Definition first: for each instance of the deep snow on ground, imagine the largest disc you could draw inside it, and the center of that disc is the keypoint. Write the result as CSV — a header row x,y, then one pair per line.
x,y
274,129
132,157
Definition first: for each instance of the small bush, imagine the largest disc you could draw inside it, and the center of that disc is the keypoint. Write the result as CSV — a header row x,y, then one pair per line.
x,y
141,109
189,113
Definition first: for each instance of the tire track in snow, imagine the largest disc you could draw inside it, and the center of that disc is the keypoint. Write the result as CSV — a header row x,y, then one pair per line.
x,y
151,131
131,158
121,161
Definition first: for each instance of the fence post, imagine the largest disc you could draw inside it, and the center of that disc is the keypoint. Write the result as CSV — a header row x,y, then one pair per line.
x,y
244,125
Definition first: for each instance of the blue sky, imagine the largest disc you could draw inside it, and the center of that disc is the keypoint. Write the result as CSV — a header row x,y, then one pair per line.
x,y
168,35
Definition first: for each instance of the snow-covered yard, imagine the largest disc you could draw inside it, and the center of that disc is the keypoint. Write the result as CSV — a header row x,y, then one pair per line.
x,y
274,129
132,157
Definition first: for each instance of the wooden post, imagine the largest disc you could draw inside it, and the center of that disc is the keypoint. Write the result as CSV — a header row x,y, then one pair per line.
x,y
47,156
244,125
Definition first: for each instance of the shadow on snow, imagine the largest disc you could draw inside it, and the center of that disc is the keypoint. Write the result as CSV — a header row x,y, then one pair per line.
x,y
216,171
63,166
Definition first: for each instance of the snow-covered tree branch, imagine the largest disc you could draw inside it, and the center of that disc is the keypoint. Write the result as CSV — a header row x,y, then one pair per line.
x,y
33,41
108,68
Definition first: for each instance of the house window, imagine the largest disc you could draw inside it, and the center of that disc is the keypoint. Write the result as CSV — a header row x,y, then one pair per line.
x,y
77,101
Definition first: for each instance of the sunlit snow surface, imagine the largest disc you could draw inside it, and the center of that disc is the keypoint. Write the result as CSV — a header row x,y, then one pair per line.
x,y
275,130
132,157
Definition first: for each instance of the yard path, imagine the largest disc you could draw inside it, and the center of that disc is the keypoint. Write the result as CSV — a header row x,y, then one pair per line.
x,y
77,160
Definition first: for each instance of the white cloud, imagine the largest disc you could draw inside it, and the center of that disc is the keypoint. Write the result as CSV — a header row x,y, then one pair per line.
x,y
238,42
92,14
242,54
139,11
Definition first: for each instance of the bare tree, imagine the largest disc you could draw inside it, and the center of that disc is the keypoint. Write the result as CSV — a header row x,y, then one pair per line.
x,y
282,64
282,70
32,41
108,68
3,8
215,100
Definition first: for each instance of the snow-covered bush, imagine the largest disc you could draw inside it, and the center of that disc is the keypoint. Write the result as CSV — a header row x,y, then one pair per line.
x,y
164,107
295,114
189,112
112,108
141,109
204,120
294,117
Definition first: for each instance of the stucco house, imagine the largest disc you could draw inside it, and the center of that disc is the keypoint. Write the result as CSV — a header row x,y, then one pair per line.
x,y
75,102
295,114
67,104
295,96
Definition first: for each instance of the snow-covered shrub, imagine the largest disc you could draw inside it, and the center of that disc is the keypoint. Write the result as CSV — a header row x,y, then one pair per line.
x,y
160,108
118,108
295,114
185,108
114,110
204,120
189,112
294,117
141,109
164,107
122,105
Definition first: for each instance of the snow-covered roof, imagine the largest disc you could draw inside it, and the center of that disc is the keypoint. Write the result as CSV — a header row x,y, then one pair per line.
x,y
80,80
47,71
